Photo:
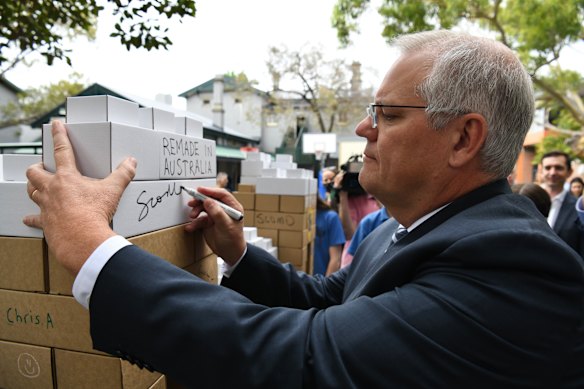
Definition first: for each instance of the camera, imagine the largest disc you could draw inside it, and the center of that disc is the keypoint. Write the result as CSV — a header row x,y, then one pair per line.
x,y
351,169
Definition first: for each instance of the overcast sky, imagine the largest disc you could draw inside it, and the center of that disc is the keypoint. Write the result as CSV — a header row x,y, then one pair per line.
x,y
225,36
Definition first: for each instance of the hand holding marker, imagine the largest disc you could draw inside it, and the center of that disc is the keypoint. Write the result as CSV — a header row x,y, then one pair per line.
x,y
233,213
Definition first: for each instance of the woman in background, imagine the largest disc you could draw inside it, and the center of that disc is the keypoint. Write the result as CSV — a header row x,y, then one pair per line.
x,y
329,240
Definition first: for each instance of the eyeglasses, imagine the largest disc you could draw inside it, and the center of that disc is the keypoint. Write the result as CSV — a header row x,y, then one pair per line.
x,y
372,112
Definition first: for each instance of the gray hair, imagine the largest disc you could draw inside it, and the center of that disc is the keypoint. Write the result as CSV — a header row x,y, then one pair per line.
x,y
472,74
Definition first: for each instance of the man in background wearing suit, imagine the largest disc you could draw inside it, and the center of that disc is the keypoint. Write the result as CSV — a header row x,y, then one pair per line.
x,y
479,292
556,168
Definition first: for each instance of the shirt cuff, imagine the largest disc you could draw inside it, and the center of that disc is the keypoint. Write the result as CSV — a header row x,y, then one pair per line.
x,y
228,270
87,276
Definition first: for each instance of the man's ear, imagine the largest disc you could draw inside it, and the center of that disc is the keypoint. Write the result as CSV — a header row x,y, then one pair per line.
x,y
468,137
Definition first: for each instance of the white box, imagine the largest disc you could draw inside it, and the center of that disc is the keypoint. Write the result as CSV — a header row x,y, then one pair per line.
x,y
283,165
156,119
15,165
186,157
15,206
100,147
1,167
189,126
273,172
298,173
248,180
104,108
148,206
284,158
252,168
250,233
286,186
273,251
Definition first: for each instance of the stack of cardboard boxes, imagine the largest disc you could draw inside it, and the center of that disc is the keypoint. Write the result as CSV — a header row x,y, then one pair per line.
x,y
44,332
280,201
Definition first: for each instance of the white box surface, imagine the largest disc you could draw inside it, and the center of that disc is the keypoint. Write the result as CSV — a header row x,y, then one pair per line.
x,y
186,157
14,166
156,119
286,186
104,108
15,206
100,147
152,205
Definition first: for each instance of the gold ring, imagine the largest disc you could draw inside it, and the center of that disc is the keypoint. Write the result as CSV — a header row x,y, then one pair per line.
x,y
33,193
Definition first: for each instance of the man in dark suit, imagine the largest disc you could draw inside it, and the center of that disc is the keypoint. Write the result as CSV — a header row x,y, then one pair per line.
x,y
480,292
556,167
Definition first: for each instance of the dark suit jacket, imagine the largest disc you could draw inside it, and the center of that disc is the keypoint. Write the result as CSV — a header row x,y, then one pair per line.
x,y
482,294
568,225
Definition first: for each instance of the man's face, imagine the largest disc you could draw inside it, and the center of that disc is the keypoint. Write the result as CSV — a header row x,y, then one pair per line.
x,y
327,176
403,156
555,171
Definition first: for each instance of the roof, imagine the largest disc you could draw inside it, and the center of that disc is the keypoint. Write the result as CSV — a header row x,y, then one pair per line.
x,y
99,89
230,84
9,85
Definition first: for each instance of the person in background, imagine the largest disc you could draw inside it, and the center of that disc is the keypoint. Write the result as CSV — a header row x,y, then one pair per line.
x,y
466,285
223,181
328,176
366,225
563,218
535,193
329,240
576,187
353,204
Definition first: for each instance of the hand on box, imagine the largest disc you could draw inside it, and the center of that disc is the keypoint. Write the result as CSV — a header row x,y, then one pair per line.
x,y
223,234
75,210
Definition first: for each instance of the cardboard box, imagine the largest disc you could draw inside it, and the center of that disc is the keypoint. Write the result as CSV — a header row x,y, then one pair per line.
x,y
270,203
156,119
23,366
100,147
14,166
188,126
153,205
172,244
295,204
44,320
269,233
296,257
246,199
249,218
160,383
294,239
90,371
104,108
283,221
185,157
286,186
246,188
15,206
23,262
206,269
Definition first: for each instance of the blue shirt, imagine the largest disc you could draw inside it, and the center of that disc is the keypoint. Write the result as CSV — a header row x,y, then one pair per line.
x,y
329,232
367,224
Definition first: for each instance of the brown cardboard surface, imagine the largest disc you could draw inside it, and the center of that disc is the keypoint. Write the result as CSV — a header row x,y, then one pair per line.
x,y
23,262
206,269
249,218
159,384
294,239
81,370
247,199
283,221
269,233
294,204
297,257
173,244
267,202
23,366
44,320
246,188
